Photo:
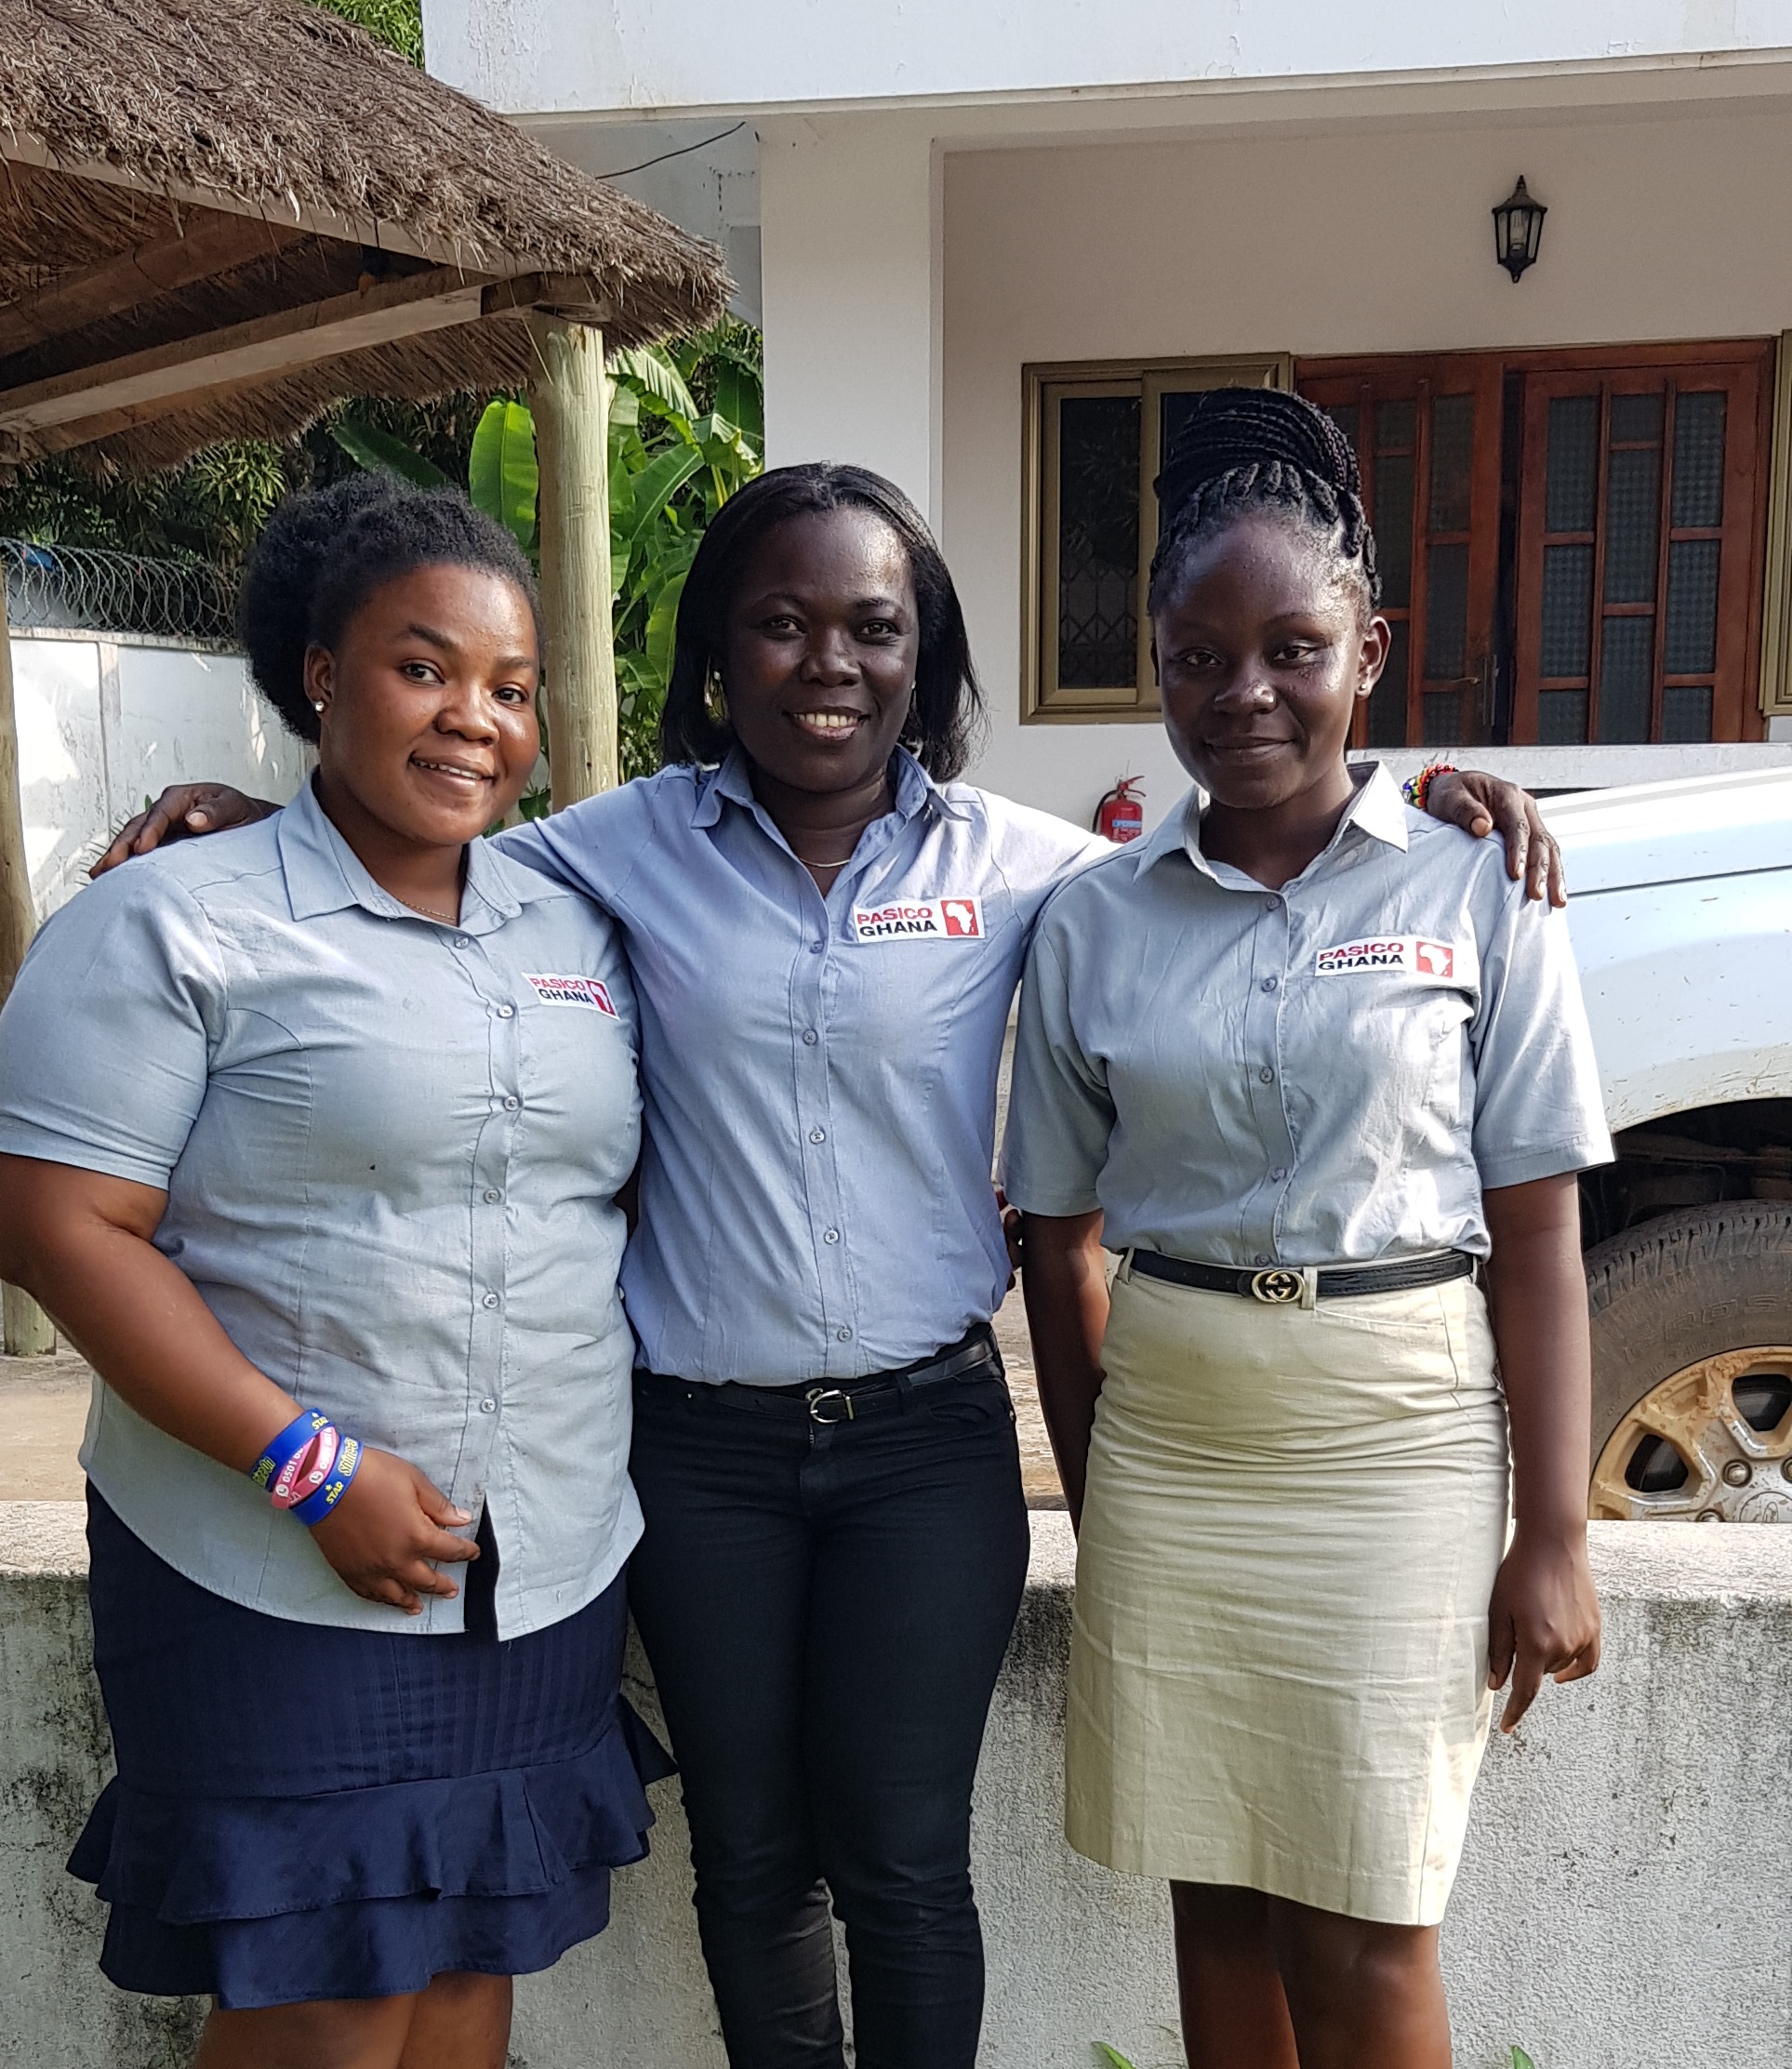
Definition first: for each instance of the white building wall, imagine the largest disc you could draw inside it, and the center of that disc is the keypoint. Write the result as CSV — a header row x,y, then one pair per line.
x,y
1354,238
687,55
104,723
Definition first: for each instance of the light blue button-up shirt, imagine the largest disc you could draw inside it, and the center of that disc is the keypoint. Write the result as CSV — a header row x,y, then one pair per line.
x,y
820,1073
391,1149
1326,1074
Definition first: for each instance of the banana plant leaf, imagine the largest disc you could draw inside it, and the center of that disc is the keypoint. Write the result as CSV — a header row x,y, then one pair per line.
x,y
658,380
502,477
380,453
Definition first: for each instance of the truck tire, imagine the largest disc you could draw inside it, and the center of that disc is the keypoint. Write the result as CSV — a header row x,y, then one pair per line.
x,y
1692,1319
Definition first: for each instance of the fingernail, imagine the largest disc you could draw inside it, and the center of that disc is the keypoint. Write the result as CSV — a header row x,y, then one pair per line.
x,y
196,818
459,1516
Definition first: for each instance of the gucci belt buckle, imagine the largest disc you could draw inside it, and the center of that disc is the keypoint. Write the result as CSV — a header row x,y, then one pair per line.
x,y
833,1398
1275,1288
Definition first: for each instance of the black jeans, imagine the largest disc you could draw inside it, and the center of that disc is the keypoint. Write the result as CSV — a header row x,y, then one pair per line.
x,y
826,1607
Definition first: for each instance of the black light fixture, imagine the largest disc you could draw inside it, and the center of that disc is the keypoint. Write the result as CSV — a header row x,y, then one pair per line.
x,y
1518,230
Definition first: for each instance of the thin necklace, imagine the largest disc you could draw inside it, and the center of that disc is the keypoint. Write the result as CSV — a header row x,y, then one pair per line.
x,y
808,865
429,911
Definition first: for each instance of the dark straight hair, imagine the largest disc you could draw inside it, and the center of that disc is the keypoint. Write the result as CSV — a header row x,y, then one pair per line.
x,y
947,715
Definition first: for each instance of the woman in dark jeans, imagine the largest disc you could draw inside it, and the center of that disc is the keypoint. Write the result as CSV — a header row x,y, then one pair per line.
x,y
825,931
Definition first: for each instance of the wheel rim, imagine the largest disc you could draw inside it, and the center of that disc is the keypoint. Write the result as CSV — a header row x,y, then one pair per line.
x,y
1711,1443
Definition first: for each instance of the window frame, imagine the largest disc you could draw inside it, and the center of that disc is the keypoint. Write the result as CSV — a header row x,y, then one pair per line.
x,y
1043,383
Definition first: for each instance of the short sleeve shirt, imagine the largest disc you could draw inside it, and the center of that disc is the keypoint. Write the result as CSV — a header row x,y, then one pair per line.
x,y
819,1072
391,1149
1330,1073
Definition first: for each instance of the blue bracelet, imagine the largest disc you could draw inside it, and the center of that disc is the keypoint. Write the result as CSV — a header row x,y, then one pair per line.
x,y
315,1508
287,1445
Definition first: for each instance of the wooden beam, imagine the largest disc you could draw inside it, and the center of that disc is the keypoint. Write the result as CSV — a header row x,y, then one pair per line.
x,y
209,244
572,296
260,349
571,400
25,1330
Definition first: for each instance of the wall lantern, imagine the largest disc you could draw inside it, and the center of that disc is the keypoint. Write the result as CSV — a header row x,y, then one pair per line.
x,y
1518,231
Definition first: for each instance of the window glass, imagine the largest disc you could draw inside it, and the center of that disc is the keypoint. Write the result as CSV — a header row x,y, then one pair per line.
x,y
1097,540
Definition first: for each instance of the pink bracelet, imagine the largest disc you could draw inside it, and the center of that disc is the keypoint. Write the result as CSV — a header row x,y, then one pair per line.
x,y
304,1473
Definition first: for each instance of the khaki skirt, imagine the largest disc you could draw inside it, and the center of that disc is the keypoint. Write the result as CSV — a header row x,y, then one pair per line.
x,y
1293,1519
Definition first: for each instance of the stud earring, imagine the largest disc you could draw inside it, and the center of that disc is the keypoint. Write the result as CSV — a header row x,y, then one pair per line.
x,y
317,704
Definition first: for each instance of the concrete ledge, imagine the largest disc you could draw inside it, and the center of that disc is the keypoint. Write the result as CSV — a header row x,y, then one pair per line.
x,y
1625,1903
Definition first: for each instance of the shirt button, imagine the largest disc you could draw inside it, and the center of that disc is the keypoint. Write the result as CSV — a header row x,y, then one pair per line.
x,y
505,1013
815,947
490,1299
1268,1075
810,1038
1269,904
488,1407
831,1237
1277,1175
493,1196
511,1103
1270,983
461,941
1261,1258
845,1335
817,1135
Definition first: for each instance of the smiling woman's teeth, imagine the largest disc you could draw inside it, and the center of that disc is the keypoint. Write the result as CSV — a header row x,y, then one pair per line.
x,y
828,721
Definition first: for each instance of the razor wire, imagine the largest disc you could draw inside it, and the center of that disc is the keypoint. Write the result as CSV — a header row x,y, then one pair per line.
x,y
91,589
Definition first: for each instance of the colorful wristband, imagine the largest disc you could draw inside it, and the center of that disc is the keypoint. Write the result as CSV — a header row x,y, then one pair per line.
x,y
315,1508
1416,788
301,1432
303,1475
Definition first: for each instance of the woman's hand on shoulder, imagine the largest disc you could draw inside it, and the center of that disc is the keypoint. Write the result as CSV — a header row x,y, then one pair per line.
x,y
183,811
389,1524
1480,803
1544,1617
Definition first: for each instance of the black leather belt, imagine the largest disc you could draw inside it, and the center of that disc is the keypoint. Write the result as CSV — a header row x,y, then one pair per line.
x,y
1279,1285
842,1400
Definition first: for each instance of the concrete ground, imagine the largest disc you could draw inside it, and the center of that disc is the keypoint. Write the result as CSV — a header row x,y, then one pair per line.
x,y
43,1409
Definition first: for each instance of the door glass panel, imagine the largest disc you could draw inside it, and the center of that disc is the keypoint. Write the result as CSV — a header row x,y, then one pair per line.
x,y
1572,495
1632,520
1396,425
1692,607
1698,460
1635,419
1686,711
1446,612
1393,527
1387,699
1442,718
1452,456
1626,670
1098,516
1562,718
1567,609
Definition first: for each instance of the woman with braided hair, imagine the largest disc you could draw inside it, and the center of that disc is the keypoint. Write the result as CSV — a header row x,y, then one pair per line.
x,y
1313,1067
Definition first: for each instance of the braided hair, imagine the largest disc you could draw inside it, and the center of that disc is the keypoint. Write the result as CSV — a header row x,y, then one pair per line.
x,y
1247,450
323,552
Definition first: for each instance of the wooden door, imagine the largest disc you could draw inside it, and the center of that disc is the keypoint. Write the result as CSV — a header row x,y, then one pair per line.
x,y
1639,547
1426,433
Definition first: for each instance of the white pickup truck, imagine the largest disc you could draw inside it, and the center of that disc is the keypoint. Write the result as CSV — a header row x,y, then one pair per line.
x,y
1681,918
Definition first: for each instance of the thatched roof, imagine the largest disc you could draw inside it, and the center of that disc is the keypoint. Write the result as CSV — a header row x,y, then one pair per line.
x,y
261,159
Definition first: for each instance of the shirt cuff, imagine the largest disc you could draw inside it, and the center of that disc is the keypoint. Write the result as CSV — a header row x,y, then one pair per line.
x,y
1064,1201
1523,1167
20,1138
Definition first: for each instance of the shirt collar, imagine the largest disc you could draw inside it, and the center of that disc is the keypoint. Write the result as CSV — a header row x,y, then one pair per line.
x,y
324,874
732,783
1377,810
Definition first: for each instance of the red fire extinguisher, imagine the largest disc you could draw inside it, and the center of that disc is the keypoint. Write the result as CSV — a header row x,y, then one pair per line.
x,y
1121,815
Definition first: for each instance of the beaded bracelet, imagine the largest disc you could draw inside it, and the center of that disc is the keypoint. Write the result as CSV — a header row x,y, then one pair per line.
x,y
315,1508
299,1434
1416,788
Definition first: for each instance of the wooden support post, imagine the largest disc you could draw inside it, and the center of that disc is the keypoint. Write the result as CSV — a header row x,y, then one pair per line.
x,y
570,397
25,1330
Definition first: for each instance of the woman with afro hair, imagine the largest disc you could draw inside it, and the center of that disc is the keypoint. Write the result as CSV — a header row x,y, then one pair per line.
x,y
310,1140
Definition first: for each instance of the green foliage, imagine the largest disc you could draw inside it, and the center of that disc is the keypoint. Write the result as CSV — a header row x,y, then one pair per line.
x,y
1520,2060
396,23
502,477
210,508
1110,2058
379,452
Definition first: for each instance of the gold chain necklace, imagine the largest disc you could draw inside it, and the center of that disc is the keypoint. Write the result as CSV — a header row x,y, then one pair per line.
x,y
429,911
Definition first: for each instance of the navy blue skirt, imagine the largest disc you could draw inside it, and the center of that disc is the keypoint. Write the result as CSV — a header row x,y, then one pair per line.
x,y
303,1811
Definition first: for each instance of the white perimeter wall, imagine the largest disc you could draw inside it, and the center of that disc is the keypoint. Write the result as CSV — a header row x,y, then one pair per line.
x,y
1343,239
103,723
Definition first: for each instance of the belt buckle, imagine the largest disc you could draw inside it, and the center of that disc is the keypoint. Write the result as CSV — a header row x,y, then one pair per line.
x,y
1276,1287
820,1397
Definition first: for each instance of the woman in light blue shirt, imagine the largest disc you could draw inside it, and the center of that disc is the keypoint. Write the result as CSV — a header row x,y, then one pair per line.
x,y
825,930
310,1138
